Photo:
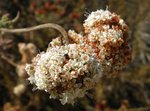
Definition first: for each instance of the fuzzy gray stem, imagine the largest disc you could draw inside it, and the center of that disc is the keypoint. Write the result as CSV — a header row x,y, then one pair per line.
x,y
47,25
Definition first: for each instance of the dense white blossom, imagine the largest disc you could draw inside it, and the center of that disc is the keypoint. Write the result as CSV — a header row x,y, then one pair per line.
x,y
68,71
63,71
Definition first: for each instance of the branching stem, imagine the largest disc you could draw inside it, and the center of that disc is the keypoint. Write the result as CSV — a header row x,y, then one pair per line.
x,y
8,60
42,26
15,19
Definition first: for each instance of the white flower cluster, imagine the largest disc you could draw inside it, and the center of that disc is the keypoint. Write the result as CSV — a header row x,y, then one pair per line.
x,y
63,71
107,34
68,71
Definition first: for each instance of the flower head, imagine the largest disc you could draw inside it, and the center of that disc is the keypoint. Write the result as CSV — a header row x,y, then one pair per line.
x,y
68,71
63,71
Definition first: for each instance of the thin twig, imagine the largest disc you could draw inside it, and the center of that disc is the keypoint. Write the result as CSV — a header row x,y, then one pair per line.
x,y
47,25
8,60
15,19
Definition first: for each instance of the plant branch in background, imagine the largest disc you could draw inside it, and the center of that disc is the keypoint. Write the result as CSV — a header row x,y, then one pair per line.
x,y
38,27
5,22
2,56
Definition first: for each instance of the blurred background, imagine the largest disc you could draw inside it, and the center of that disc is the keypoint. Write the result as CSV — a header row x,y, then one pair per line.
x,y
128,91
